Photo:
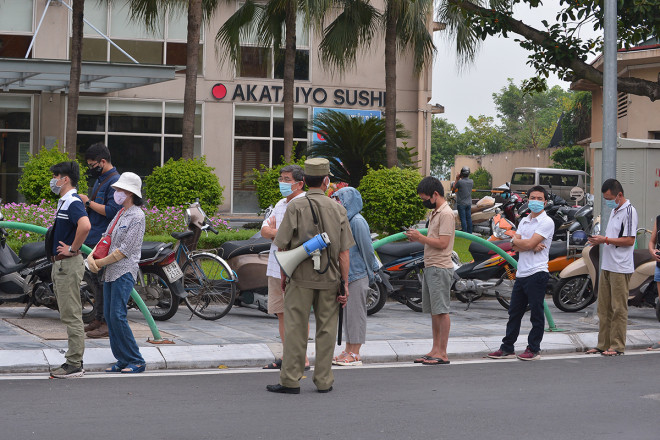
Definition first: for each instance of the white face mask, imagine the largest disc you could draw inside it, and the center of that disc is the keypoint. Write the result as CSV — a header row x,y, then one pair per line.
x,y
53,185
120,197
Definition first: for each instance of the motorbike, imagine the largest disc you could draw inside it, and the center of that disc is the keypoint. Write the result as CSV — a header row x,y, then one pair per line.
x,y
26,278
577,288
160,280
400,276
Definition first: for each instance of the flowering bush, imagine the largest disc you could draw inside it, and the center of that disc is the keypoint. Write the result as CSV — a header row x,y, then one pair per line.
x,y
158,221
335,187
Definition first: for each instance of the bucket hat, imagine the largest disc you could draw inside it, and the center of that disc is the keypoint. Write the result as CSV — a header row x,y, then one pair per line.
x,y
129,182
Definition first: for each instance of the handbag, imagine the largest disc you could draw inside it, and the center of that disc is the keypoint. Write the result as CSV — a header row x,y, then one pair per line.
x,y
103,246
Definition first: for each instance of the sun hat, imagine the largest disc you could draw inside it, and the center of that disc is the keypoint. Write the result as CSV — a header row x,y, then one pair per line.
x,y
129,182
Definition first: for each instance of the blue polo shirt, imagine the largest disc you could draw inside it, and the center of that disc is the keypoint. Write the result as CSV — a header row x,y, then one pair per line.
x,y
105,196
70,209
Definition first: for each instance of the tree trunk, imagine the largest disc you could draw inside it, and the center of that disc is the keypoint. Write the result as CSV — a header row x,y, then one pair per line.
x,y
390,89
70,140
289,72
190,91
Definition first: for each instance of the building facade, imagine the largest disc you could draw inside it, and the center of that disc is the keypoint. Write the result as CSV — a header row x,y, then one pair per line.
x,y
239,122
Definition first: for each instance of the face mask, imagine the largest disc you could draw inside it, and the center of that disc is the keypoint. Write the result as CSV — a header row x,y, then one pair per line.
x,y
95,172
120,197
428,204
285,189
53,186
536,206
612,204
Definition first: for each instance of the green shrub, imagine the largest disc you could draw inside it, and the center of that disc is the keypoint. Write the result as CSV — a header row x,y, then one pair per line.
x,y
390,199
33,184
180,182
482,179
265,179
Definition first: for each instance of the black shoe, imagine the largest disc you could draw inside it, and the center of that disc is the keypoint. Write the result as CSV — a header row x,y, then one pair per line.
x,y
325,391
282,389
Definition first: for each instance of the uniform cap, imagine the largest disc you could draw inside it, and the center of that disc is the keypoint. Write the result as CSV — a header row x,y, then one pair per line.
x,y
317,166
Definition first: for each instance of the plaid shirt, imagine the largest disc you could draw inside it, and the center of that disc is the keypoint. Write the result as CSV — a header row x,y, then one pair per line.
x,y
127,238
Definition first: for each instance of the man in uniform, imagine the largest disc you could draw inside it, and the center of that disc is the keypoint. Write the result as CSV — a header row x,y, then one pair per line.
x,y
304,218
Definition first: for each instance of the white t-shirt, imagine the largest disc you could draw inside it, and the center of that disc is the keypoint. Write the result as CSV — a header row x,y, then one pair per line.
x,y
273,269
530,262
622,223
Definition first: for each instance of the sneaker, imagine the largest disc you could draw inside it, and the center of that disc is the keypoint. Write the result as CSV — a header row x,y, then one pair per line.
x,y
529,355
66,371
499,354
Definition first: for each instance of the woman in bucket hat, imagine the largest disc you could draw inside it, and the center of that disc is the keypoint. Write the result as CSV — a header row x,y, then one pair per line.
x,y
121,267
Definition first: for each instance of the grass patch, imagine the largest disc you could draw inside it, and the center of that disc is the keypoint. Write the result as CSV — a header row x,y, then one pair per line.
x,y
461,246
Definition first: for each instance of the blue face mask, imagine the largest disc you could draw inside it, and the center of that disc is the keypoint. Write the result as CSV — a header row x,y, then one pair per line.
x,y
536,206
285,189
612,204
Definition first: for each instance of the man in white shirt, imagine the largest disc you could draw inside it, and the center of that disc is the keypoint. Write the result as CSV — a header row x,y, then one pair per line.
x,y
291,187
532,241
616,267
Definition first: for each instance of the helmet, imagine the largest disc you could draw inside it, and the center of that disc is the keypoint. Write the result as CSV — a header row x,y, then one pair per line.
x,y
465,171
579,238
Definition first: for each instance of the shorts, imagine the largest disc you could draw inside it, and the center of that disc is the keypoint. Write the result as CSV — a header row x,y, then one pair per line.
x,y
275,296
656,278
436,290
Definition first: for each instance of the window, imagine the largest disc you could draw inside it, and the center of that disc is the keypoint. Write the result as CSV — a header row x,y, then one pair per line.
x,y
16,21
141,135
558,179
522,179
15,141
165,44
261,62
258,140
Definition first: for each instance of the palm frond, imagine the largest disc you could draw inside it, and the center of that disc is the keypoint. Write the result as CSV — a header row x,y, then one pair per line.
x,y
237,27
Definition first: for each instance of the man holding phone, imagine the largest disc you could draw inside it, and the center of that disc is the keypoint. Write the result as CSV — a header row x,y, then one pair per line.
x,y
616,267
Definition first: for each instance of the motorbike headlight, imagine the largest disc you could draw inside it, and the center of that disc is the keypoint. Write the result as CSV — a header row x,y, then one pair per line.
x,y
499,232
186,216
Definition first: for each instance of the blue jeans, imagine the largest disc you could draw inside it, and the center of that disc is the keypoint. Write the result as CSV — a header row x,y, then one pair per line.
x,y
528,290
465,214
115,298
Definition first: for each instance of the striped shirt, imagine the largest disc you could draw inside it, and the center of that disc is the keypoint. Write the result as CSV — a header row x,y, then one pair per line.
x,y
622,223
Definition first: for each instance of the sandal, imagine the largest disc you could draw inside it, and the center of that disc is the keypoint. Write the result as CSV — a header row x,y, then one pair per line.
x,y
341,356
612,353
351,360
131,368
654,347
594,351
421,359
277,365
116,368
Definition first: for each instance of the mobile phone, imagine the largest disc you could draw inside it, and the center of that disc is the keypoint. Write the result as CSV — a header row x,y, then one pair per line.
x,y
405,228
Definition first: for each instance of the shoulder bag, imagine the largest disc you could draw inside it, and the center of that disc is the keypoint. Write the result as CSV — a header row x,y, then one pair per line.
x,y
103,246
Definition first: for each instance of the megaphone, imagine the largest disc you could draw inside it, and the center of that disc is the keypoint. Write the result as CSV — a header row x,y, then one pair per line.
x,y
289,260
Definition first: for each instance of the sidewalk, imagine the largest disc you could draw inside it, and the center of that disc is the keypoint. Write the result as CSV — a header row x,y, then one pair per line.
x,y
249,338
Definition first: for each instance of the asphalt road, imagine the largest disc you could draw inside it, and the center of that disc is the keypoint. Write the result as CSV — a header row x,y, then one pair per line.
x,y
568,397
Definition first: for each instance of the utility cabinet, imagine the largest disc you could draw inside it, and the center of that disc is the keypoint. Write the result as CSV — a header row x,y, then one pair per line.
x,y
638,170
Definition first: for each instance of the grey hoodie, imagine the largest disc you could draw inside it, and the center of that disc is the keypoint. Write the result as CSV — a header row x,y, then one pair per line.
x,y
362,253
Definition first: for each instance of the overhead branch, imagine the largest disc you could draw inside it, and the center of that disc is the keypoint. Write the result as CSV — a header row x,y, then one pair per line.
x,y
580,69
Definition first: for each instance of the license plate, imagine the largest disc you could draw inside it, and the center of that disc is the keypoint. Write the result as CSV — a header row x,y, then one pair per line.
x,y
173,272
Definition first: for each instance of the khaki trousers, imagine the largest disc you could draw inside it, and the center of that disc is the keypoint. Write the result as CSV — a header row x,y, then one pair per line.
x,y
298,302
612,310
67,275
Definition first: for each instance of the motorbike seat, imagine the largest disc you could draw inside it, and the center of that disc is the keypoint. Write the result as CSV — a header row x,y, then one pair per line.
x,y
182,235
400,249
476,248
231,249
558,249
641,256
32,251
152,248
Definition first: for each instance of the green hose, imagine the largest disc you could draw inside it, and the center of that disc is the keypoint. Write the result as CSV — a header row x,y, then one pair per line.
x,y
490,245
141,305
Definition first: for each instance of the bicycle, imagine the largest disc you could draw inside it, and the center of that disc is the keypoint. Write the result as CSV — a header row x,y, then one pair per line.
x,y
208,280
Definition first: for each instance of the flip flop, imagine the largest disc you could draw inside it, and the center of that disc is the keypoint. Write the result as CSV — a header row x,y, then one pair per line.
x,y
612,353
421,359
277,365
654,347
594,351
116,368
130,369
435,361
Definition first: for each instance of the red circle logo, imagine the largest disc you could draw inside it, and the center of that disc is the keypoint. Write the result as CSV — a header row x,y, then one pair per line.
x,y
219,91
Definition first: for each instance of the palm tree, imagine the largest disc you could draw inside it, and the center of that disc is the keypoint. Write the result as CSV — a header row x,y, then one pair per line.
x,y
267,21
353,144
198,11
70,139
405,24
